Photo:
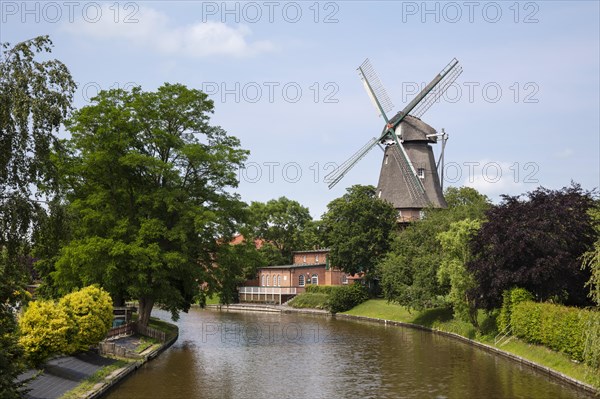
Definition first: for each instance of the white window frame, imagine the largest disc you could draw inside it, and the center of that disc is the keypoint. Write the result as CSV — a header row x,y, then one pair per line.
x,y
421,173
314,279
268,280
301,280
344,279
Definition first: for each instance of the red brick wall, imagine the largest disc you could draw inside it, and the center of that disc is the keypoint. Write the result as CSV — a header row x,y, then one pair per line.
x,y
311,258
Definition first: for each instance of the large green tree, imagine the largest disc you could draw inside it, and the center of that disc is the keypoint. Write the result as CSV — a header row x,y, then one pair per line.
x,y
35,96
285,226
409,272
149,182
357,228
535,243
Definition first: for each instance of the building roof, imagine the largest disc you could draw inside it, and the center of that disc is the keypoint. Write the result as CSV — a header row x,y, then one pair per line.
x,y
312,251
294,266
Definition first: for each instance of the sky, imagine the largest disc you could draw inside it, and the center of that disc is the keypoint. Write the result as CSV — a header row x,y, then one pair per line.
x,y
283,77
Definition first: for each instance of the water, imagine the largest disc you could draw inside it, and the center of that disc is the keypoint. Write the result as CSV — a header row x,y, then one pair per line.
x,y
262,355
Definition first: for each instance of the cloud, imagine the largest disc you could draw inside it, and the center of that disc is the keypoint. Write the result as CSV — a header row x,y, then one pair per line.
x,y
153,30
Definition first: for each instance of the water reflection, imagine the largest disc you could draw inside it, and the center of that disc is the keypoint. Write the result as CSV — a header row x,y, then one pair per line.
x,y
260,355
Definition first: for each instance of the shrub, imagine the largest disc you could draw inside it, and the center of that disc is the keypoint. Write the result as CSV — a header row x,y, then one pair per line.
x,y
346,297
321,289
78,320
91,311
44,329
313,300
558,327
510,298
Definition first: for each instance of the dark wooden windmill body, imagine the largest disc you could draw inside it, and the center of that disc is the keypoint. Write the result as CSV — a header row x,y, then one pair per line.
x,y
409,172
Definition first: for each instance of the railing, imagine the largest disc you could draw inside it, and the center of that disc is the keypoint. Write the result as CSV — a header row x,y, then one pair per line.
x,y
273,293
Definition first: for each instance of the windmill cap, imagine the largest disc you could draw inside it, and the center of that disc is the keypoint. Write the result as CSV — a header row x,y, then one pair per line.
x,y
414,129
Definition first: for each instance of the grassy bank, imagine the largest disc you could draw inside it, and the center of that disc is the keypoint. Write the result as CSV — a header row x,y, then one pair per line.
x,y
313,300
442,319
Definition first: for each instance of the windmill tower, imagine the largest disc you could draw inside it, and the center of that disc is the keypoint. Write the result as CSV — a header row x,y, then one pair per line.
x,y
409,173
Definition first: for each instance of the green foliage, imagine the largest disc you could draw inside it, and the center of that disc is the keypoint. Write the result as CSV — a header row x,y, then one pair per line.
x,y
149,183
345,297
591,258
91,312
313,300
45,328
321,289
357,229
456,253
35,95
591,352
558,327
285,225
409,272
510,298
237,263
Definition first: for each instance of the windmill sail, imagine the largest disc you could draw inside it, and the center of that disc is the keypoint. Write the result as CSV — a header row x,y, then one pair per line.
x,y
375,89
433,96
336,175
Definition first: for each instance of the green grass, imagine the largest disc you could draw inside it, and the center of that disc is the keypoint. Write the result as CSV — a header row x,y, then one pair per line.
x,y
213,300
87,384
314,300
145,343
442,319
160,325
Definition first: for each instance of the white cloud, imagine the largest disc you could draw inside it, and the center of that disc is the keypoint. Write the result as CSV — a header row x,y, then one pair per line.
x,y
494,178
154,30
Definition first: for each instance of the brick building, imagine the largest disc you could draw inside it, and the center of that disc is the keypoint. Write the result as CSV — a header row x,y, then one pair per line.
x,y
279,283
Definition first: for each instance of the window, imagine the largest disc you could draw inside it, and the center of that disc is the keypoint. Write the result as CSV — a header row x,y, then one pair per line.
x,y
379,195
268,281
315,279
264,280
301,280
421,173
278,280
317,258
304,259
386,159
421,214
344,279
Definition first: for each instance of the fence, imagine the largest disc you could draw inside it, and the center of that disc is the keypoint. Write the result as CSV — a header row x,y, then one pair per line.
x,y
132,328
266,294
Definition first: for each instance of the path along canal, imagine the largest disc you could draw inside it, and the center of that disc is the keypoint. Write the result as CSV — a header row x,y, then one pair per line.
x,y
273,355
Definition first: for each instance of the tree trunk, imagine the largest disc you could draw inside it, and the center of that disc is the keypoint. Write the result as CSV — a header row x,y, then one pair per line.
x,y
144,310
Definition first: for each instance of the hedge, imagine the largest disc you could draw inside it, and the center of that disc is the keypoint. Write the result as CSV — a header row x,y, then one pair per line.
x,y
558,327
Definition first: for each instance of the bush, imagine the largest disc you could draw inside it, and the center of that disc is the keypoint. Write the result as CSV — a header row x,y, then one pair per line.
x,y
346,297
76,322
314,300
91,311
44,329
558,327
510,298
321,289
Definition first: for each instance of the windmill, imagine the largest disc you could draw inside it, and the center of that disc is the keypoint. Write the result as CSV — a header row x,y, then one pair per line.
x,y
409,173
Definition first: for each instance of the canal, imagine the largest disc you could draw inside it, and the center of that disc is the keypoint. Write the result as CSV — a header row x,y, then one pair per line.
x,y
264,355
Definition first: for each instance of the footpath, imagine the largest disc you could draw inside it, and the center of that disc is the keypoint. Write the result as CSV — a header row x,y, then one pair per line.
x,y
65,373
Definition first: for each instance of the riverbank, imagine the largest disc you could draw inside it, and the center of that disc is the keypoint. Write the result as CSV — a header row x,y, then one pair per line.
x,y
440,321
90,375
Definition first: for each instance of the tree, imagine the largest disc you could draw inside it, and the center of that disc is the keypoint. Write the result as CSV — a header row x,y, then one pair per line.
x,y
456,252
534,244
591,258
409,272
357,229
149,180
35,96
90,311
282,223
